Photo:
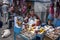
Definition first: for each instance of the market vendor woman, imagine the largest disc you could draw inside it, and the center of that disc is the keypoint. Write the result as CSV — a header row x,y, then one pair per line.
x,y
31,17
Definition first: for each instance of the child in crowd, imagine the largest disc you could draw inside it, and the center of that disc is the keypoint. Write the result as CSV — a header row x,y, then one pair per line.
x,y
18,20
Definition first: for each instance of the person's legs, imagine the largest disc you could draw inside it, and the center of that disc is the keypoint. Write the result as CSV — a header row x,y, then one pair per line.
x,y
0,15
10,24
6,17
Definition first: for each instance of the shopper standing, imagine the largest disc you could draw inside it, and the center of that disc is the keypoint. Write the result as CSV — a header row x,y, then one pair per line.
x,y
24,10
10,17
5,7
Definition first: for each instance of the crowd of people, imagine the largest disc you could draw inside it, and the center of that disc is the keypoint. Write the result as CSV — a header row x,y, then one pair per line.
x,y
18,17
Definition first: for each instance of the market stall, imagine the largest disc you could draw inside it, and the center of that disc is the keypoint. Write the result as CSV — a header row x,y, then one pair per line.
x,y
45,33
31,30
30,33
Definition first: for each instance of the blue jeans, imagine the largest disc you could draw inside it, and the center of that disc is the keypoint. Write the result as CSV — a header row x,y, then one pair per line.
x,y
16,31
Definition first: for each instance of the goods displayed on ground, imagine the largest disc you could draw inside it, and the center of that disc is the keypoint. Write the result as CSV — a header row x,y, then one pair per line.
x,y
31,32
48,31
53,35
